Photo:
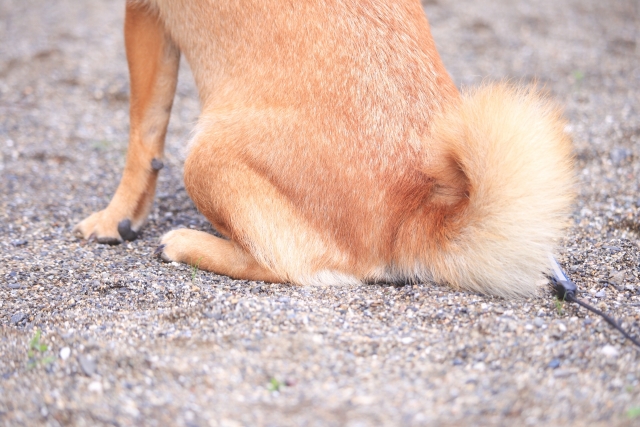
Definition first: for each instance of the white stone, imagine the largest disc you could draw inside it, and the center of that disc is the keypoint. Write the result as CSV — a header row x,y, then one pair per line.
x,y
480,366
95,387
65,352
609,351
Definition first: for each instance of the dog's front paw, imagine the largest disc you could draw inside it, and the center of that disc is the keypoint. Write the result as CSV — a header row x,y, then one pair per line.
x,y
105,227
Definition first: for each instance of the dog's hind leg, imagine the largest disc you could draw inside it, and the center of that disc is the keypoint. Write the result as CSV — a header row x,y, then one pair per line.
x,y
242,206
269,236
153,69
232,198
211,253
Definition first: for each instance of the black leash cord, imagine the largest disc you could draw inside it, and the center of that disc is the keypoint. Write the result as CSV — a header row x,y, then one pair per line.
x,y
566,291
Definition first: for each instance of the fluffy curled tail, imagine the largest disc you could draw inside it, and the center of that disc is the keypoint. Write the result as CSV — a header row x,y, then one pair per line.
x,y
511,146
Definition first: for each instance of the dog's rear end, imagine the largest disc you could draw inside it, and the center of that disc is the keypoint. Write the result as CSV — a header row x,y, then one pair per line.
x,y
333,147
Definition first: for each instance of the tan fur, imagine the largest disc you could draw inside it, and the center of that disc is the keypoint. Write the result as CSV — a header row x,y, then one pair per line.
x,y
153,70
334,148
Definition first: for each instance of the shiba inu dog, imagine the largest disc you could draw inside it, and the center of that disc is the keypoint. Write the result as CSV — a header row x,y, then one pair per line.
x,y
334,148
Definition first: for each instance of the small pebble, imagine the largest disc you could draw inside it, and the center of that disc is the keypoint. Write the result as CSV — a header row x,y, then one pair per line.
x,y
480,366
538,322
65,352
562,373
609,351
95,386
554,363
17,318
87,364
618,278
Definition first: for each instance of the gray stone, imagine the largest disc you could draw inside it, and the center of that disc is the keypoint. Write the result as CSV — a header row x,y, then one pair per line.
x,y
618,277
87,364
17,318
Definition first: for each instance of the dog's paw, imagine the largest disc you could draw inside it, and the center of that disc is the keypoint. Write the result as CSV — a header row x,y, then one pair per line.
x,y
173,245
105,228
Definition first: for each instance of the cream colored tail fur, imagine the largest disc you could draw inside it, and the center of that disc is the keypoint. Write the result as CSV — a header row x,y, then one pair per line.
x,y
512,146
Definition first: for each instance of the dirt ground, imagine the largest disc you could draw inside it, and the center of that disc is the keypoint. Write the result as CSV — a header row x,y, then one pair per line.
x,y
127,340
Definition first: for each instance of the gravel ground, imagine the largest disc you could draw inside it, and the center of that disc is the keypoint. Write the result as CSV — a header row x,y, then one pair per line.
x,y
132,341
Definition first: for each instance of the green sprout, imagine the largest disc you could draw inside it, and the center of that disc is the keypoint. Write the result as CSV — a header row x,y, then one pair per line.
x,y
559,306
101,145
36,352
633,412
274,385
195,269
578,75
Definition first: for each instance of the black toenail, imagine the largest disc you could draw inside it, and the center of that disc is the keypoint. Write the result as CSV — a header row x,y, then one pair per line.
x,y
159,249
124,228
